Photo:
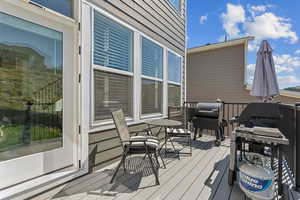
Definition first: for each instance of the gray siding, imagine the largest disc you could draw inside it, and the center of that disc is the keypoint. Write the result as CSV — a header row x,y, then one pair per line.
x,y
105,147
158,20
219,73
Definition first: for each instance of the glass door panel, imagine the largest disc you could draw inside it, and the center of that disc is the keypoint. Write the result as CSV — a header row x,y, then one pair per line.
x,y
37,94
31,65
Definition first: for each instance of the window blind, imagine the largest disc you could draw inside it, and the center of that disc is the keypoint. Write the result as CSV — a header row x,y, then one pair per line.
x,y
151,96
152,59
174,67
112,91
174,95
113,44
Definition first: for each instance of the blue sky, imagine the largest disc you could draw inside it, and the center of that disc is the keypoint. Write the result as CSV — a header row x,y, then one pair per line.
x,y
274,20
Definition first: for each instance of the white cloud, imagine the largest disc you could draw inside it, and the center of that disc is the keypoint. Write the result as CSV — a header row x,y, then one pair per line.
x,y
203,19
270,26
297,51
251,67
287,60
280,68
288,80
258,8
235,15
253,45
261,24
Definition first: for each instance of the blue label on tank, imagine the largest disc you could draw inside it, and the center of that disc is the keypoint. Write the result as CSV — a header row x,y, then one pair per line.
x,y
254,184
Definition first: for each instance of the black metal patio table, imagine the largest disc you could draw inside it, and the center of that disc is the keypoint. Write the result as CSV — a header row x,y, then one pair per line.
x,y
165,123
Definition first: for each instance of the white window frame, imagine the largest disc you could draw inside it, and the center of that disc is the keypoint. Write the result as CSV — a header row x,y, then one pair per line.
x,y
160,114
107,69
181,73
136,74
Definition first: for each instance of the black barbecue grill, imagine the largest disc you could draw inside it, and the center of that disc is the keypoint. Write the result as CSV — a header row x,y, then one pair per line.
x,y
259,114
208,116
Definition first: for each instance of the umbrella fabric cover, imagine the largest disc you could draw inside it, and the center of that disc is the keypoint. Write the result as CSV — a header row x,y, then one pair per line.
x,y
265,83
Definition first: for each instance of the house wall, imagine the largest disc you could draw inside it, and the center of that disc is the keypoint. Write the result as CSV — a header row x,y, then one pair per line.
x,y
219,73
158,20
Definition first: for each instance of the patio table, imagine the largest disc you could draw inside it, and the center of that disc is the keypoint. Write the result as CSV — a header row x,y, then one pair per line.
x,y
165,123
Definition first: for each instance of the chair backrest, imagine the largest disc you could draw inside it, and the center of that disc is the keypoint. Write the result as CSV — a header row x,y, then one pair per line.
x,y
178,113
121,125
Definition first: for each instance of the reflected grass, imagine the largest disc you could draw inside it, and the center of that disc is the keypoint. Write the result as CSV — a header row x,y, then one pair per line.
x,y
11,136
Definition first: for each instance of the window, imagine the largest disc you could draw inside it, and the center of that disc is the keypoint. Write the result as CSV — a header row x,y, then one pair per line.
x,y
174,67
151,96
174,79
174,95
112,91
64,7
113,44
152,60
152,73
175,3
113,68
120,82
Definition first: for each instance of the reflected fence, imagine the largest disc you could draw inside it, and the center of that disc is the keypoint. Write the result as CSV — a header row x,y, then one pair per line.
x,y
41,118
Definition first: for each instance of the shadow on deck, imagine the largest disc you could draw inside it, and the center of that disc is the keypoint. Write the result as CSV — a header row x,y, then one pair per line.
x,y
200,176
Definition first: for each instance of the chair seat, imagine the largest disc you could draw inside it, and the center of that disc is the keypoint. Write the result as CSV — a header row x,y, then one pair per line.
x,y
178,132
152,142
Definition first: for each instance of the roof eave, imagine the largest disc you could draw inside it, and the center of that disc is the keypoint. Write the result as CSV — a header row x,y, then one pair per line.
x,y
220,45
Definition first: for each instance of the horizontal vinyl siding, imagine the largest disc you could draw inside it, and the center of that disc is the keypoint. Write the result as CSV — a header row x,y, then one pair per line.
x,y
216,74
220,74
156,18
105,147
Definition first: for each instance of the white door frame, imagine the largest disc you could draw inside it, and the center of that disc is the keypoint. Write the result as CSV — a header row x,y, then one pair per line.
x,y
81,143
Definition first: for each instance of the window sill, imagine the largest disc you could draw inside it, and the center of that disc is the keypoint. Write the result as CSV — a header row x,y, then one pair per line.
x,y
130,122
153,115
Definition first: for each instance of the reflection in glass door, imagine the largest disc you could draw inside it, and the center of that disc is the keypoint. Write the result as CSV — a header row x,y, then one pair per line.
x,y
31,92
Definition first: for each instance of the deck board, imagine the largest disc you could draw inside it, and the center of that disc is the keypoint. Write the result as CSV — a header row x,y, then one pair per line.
x,y
204,175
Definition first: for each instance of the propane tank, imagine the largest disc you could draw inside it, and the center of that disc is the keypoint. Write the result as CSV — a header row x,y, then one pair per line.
x,y
256,180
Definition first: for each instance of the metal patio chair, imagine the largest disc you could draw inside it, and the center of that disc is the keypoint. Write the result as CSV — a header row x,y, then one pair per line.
x,y
147,145
179,113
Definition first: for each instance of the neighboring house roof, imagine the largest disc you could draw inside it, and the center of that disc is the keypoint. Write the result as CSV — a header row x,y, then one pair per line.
x,y
282,92
215,46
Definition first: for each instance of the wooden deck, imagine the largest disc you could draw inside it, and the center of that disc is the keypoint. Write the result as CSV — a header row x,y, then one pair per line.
x,y
201,176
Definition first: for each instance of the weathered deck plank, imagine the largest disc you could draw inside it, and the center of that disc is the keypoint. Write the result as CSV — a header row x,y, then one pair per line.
x,y
201,176
185,188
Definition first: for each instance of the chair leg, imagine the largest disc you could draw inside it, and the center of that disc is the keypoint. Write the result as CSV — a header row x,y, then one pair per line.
x,y
162,159
124,165
153,169
155,155
172,144
118,167
190,143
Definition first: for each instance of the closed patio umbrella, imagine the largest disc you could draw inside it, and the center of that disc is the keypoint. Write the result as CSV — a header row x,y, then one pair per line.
x,y
265,85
